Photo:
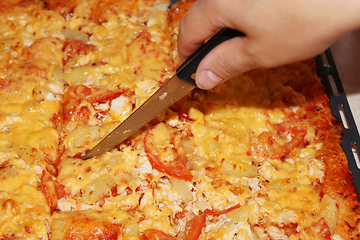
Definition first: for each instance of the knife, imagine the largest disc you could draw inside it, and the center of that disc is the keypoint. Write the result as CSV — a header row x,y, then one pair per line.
x,y
182,83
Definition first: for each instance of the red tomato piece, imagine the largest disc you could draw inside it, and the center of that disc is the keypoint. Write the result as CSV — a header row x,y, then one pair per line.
x,y
75,95
165,151
74,47
290,229
101,97
278,143
60,191
154,234
213,213
197,225
49,189
56,119
3,165
84,90
199,222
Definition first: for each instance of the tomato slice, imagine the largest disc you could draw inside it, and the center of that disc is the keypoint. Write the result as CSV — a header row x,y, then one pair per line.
x,y
199,222
197,225
165,151
3,165
49,189
213,213
104,96
278,143
60,191
74,47
154,234
75,95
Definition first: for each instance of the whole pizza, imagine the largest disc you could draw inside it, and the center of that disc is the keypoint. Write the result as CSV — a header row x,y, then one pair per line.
x,y
257,157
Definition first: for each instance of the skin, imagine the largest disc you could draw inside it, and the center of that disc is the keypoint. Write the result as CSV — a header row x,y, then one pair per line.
x,y
277,32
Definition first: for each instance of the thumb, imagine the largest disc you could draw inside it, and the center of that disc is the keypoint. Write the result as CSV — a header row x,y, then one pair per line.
x,y
224,62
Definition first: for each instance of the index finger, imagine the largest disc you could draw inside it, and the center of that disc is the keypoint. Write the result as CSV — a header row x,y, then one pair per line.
x,y
202,20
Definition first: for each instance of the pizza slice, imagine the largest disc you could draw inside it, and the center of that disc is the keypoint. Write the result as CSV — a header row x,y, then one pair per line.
x,y
30,102
109,76
249,142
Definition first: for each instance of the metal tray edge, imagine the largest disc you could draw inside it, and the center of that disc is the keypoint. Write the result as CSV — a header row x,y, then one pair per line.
x,y
340,109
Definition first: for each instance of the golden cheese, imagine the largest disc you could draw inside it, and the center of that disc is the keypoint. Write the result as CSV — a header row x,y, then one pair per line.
x,y
24,214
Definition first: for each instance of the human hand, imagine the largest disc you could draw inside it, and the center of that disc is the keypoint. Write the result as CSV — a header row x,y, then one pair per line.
x,y
277,32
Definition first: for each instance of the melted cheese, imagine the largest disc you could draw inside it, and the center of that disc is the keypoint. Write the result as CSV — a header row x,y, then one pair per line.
x,y
24,214
30,100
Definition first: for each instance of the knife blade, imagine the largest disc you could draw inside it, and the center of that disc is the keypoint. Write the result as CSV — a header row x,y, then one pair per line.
x,y
182,83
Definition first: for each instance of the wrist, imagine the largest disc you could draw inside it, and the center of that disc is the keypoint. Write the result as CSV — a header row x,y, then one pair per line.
x,y
345,15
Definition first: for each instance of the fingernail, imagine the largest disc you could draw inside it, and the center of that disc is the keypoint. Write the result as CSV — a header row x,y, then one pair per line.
x,y
207,79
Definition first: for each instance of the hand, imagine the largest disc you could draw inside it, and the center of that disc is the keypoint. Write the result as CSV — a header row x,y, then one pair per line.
x,y
277,32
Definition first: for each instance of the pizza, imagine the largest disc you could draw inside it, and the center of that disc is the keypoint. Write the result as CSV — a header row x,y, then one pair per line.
x,y
257,157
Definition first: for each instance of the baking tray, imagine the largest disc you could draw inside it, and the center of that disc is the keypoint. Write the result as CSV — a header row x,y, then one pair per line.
x,y
340,109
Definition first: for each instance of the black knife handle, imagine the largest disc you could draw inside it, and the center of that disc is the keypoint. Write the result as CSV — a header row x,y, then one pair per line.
x,y
188,68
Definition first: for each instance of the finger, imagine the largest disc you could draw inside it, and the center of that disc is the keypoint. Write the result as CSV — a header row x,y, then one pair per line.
x,y
195,27
202,20
225,61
